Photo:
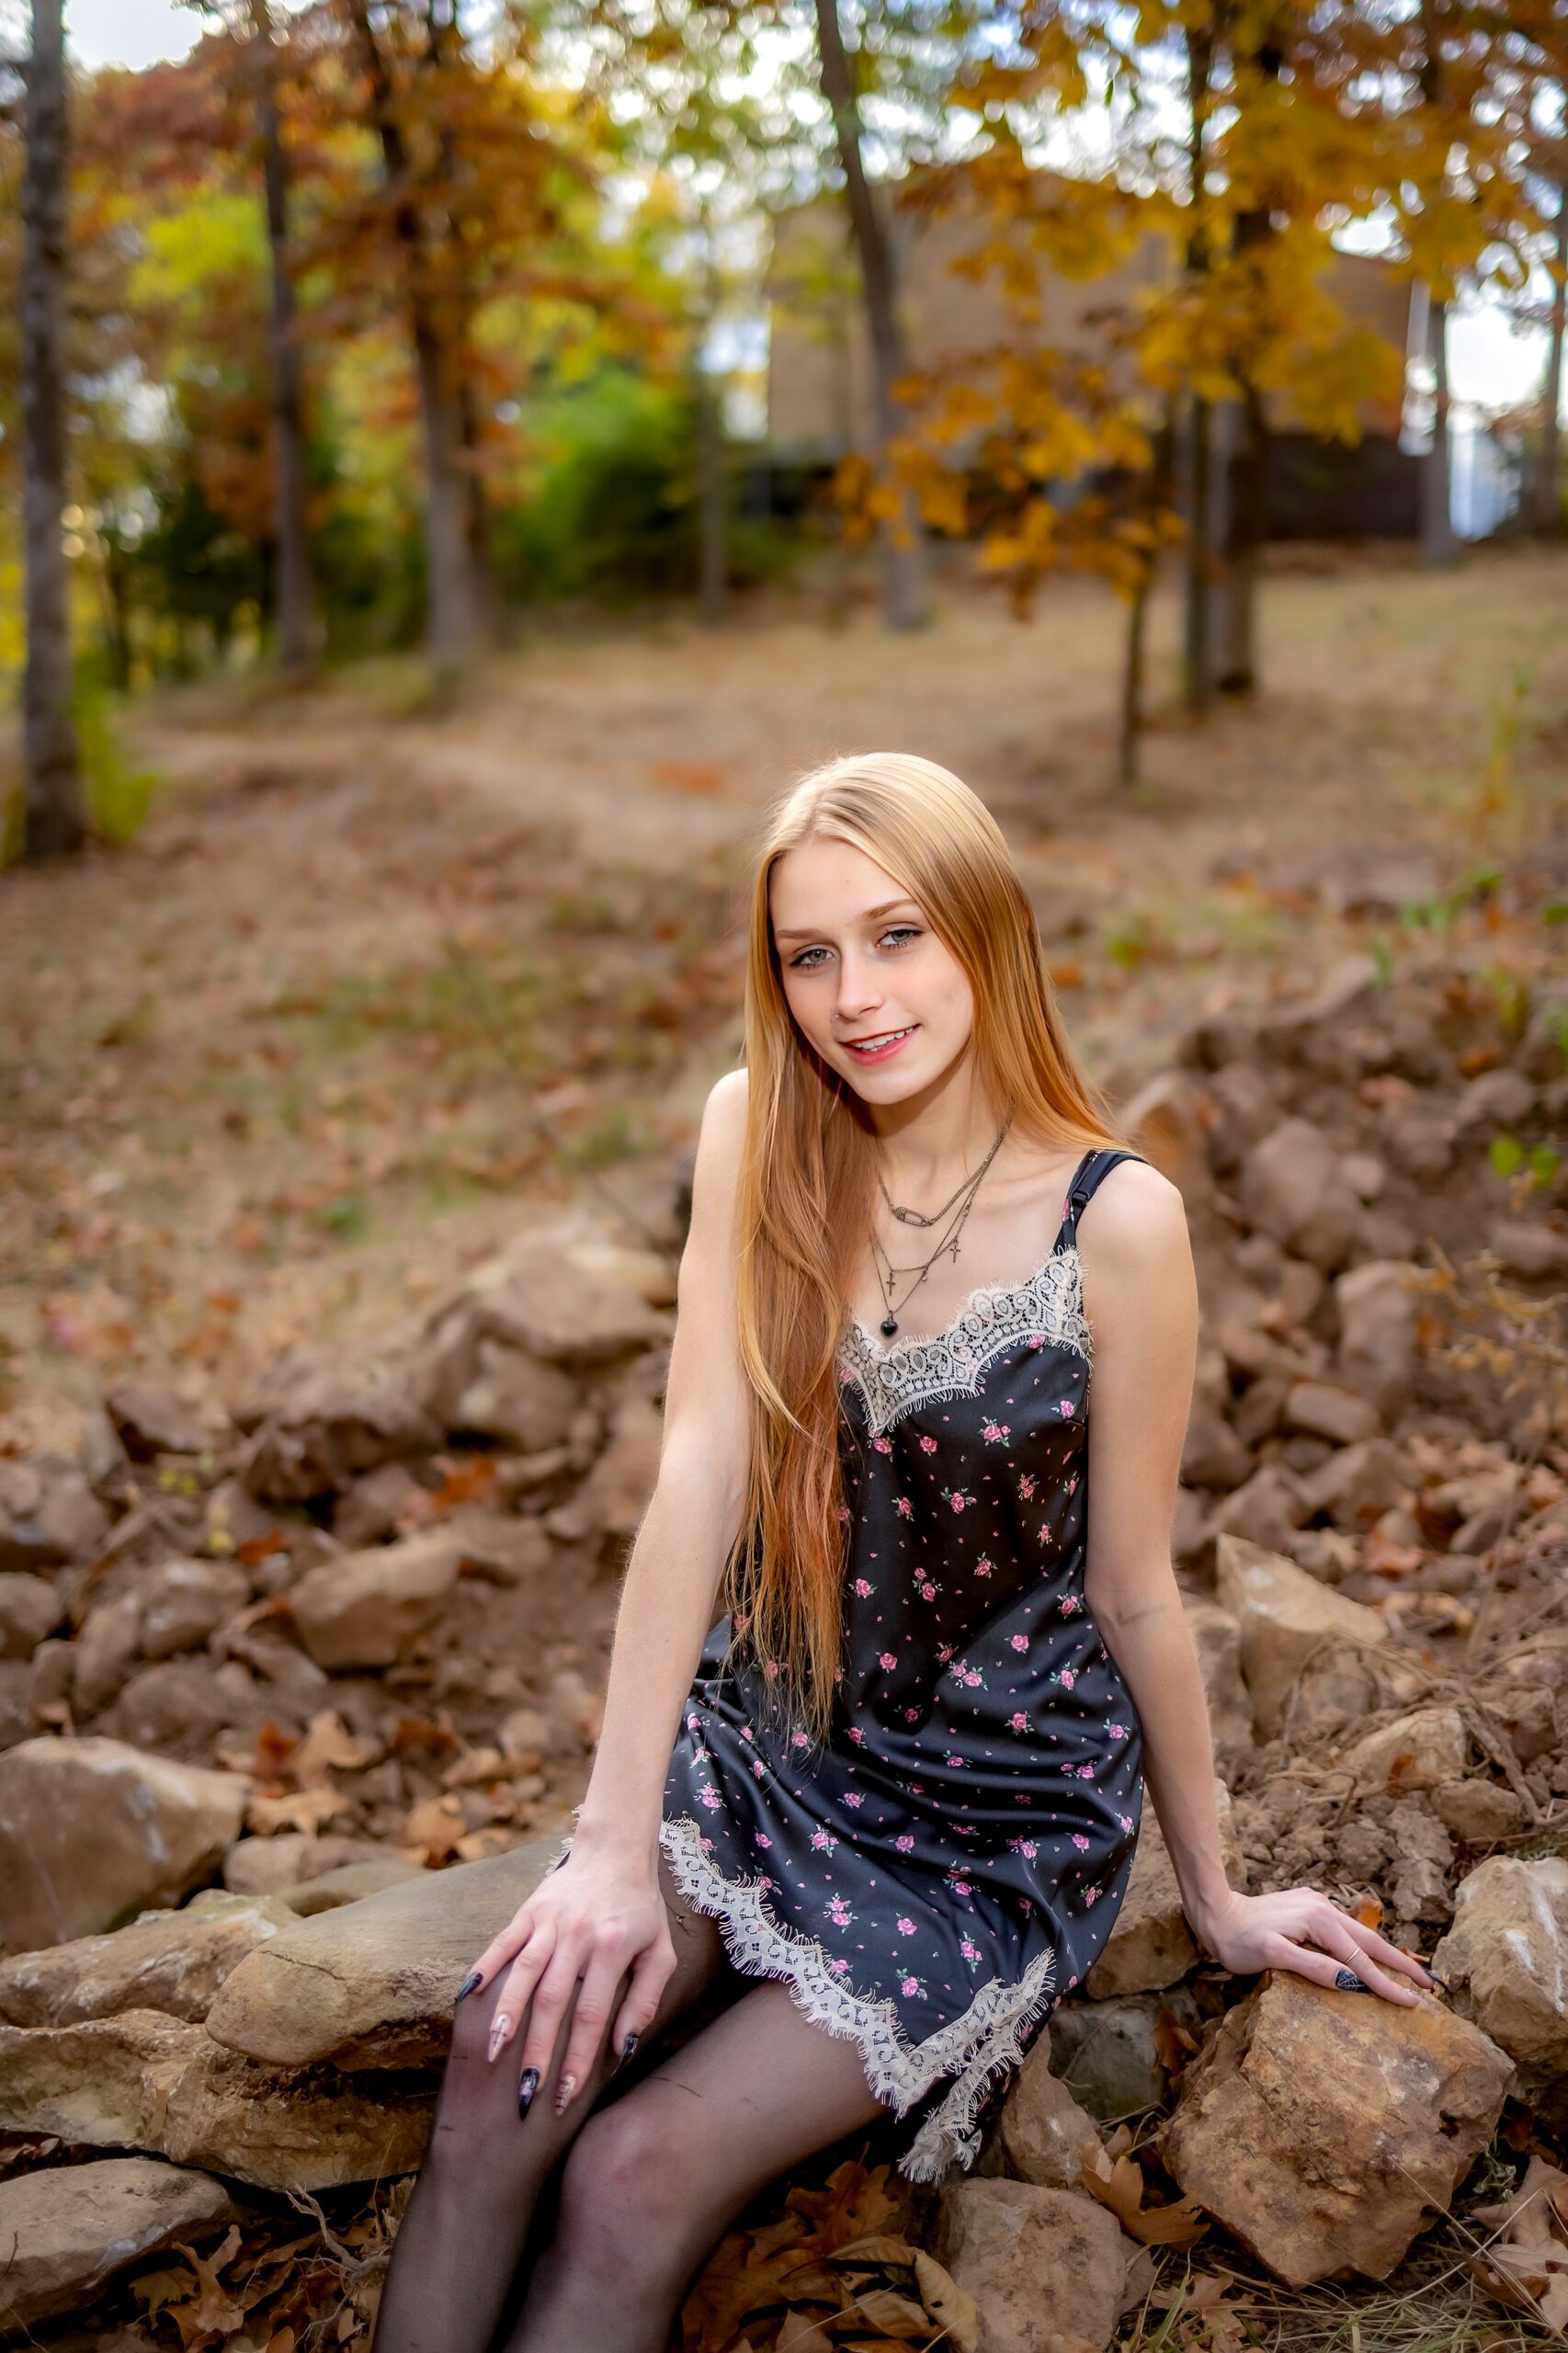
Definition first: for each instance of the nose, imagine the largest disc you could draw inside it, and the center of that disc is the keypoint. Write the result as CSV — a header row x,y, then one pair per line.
x,y
860,988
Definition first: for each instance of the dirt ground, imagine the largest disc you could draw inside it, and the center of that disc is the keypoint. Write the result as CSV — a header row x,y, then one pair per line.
x,y
378,981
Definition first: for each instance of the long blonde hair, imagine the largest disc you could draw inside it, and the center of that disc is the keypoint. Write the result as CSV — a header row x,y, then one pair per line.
x,y
807,1174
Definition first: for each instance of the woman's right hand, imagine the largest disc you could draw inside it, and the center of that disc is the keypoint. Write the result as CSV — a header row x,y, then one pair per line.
x,y
595,1917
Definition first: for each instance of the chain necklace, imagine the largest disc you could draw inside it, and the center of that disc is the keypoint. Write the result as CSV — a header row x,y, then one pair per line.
x,y
946,1247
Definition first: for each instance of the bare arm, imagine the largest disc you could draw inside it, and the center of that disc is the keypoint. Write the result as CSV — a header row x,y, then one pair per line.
x,y
1140,1297
602,1912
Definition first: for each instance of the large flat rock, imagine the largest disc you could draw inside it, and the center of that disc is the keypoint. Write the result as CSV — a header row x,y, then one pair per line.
x,y
93,1832
142,2081
173,1962
65,2233
372,1984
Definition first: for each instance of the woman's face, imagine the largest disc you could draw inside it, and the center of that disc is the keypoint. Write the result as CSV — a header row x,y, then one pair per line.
x,y
872,987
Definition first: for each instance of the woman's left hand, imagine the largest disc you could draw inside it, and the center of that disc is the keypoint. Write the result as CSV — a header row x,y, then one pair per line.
x,y
1301,1930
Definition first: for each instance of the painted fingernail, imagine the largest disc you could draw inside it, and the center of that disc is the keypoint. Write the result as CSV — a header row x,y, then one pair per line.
x,y
563,2091
475,1977
1433,1978
629,2045
498,2036
1348,1983
527,2088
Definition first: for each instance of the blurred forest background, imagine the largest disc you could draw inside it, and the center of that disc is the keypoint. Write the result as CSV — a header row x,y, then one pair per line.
x,y
456,463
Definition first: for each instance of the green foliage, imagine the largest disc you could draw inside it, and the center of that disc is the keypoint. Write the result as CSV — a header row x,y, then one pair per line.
x,y
1443,911
1508,1156
118,792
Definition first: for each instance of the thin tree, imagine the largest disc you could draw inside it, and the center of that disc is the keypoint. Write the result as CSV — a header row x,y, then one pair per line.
x,y
54,814
294,592
904,575
1548,501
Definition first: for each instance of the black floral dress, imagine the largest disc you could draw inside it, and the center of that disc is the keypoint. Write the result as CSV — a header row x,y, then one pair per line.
x,y
932,1880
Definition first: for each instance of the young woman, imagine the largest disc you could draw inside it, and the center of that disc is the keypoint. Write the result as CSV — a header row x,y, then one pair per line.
x,y
900,1808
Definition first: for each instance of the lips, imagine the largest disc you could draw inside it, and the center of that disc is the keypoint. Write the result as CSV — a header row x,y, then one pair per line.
x,y
880,1048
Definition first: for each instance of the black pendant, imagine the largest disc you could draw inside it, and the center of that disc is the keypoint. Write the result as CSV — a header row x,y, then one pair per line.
x,y
890,1326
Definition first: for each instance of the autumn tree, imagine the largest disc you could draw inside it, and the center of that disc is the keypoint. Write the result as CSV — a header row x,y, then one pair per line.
x,y
54,816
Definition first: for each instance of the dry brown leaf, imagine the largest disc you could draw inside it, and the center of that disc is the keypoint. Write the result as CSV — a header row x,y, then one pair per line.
x,y
307,1810
474,1766
328,1746
1368,1911
854,2204
1118,2183
433,1830
951,2306
210,2310
1526,2265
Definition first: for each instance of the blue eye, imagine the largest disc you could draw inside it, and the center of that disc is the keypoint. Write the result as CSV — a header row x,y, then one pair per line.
x,y
900,932
899,935
799,963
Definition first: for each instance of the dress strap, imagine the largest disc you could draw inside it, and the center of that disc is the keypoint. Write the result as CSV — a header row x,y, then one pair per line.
x,y
1092,1171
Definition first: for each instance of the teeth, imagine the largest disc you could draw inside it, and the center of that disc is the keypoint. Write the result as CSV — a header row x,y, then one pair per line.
x,y
861,1045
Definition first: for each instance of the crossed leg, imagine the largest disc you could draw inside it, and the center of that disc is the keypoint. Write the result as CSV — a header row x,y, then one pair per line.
x,y
656,2177
468,2217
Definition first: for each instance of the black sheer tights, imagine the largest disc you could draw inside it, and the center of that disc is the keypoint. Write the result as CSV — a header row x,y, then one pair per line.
x,y
632,2187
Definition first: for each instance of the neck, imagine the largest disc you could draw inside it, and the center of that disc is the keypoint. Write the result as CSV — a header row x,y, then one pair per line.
x,y
929,1140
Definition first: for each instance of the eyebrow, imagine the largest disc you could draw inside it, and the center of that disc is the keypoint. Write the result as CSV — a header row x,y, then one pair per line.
x,y
869,917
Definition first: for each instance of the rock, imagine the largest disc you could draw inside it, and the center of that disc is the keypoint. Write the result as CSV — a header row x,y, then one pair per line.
x,y
1317,2126
68,2232
276,1866
141,2081
1323,1410
1378,1311
150,1417
1479,1813
1264,1511
1168,1119
91,1832
541,1298
372,1984
613,1498
497,1545
1107,2053
1422,1858
1287,1621
368,1607
1415,1752
1532,1253
1357,1482
1213,1455
17,1720
370,1512
183,1601
1217,1639
349,1883
1150,1944
319,1419
175,1707
1291,1186
29,1611
106,1650
172,1961
1040,2264
515,1399
49,1515
1045,2135
1506,1960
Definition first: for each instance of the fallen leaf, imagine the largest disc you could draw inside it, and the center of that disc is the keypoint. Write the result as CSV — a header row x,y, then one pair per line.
x,y
1368,1911
306,1810
1118,2183
433,1829
328,1746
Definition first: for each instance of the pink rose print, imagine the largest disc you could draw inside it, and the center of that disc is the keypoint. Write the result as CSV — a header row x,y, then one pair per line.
x,y
910,1715
760,1769
927,1446
969,1952
906,1927
1066,1409
1019,1721
1025,1487
1073,1484
853,1796
998,1433
882,1445
1071,1604
838,1912
1081,1843
856,1734
927,1593
1068,1678
905,1843
824,1841
1085,1772
945,1653
763,1839
842,1514
904,1507
1117,1731
1125,1820
956,1760
887,1659
1025,1847
958,1886
863,1587
1018,1641
800,1741
709,1798
982,1568
840,1965
1091,1895
910,1985
958,1501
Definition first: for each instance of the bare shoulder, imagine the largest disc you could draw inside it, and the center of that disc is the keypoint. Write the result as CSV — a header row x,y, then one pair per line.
x,y
720,1141
1133,1228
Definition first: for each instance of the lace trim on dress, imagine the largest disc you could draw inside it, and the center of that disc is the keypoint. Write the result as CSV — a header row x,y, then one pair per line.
x,y
985,2040
893,1379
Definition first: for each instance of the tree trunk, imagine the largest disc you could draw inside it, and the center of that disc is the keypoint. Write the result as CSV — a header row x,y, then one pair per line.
x,y
904,554
1130,740
1234,647
1439,544
1547,501
54,820
1197,636
295,600
712,565
452,625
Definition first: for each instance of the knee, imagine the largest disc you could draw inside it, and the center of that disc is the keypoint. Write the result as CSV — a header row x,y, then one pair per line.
x,y
620,2186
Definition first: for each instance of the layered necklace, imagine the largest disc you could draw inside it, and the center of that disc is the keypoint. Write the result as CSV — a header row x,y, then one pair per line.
x,y
959,1204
